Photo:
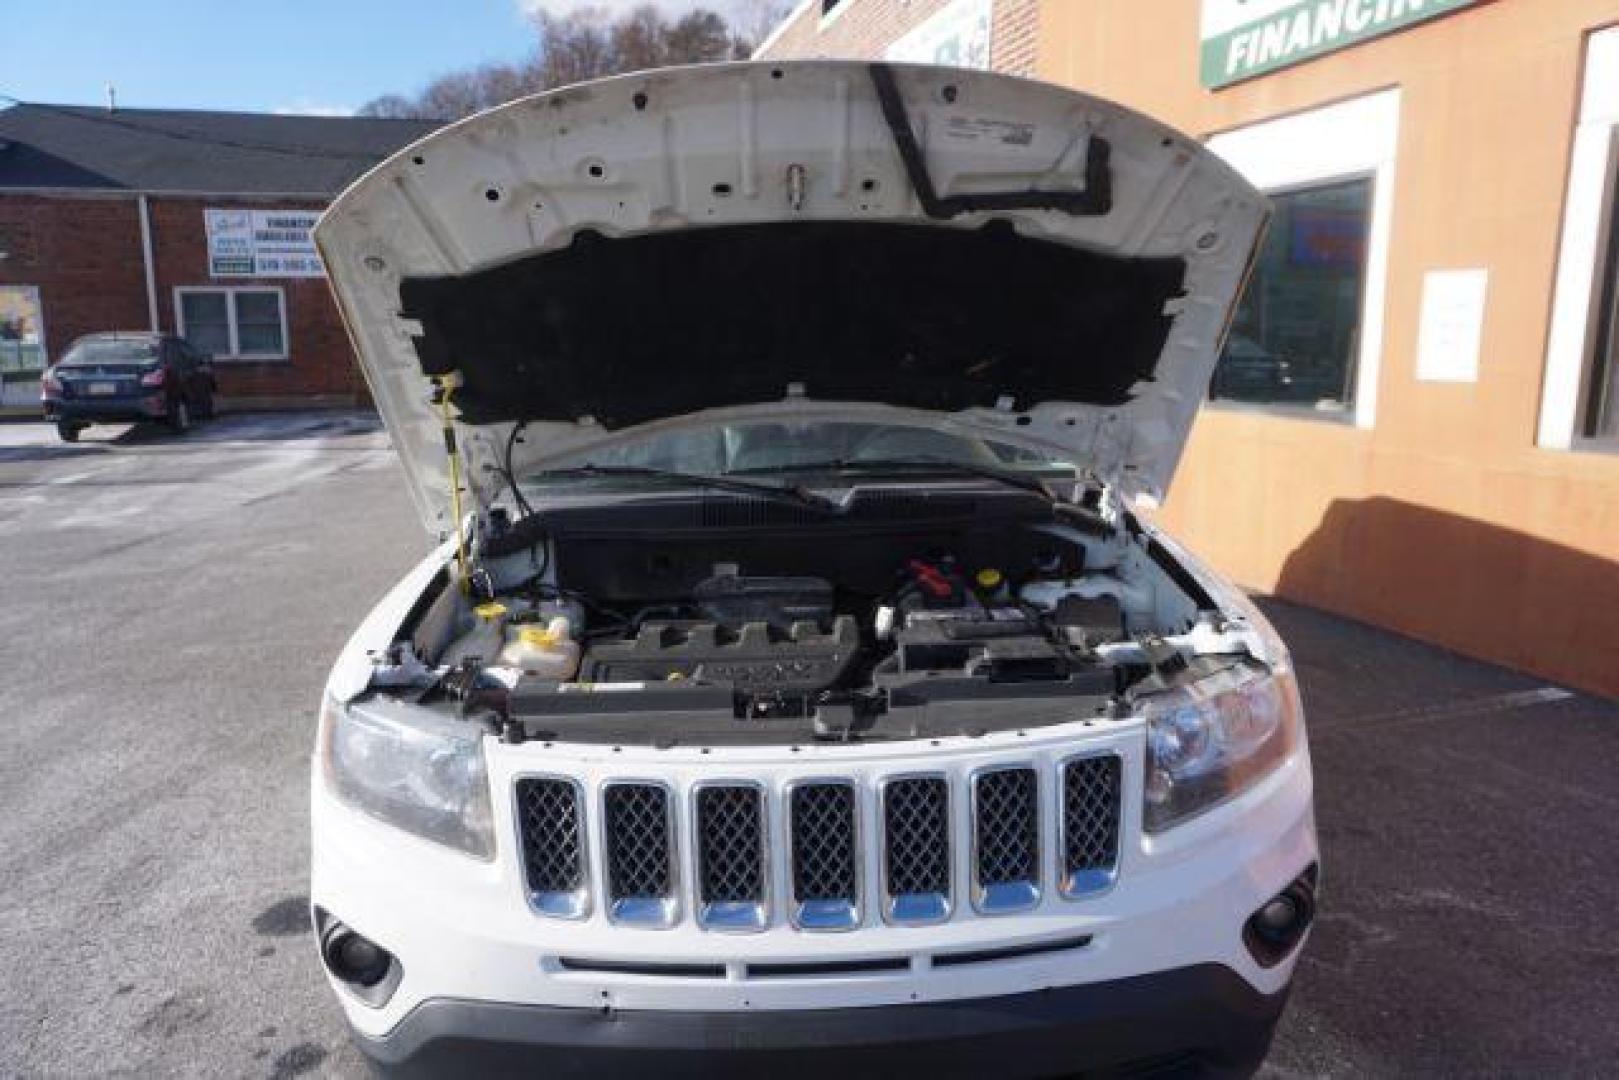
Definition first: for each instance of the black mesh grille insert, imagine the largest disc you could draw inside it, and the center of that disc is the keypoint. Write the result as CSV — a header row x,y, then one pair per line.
x,y
1090,810
637,827
1008,827
552,856
916,830
823,842
730,835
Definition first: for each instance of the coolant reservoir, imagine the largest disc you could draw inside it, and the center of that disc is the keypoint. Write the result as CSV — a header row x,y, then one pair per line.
x,y
545,651
485,638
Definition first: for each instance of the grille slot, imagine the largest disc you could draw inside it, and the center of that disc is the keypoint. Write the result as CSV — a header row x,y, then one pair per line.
x,y
1090,824
1006,840
639,834
916,849
825,867
731,856
551,823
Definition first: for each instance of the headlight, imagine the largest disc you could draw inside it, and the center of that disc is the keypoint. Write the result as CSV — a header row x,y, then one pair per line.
x,y
411,768
1215,738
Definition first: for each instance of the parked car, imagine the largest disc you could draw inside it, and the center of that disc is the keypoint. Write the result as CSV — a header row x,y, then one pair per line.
x,y
125,376
796,687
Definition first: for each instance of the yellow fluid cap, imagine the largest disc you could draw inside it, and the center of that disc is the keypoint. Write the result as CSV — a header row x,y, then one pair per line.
x,y
989,578
541,637
490,611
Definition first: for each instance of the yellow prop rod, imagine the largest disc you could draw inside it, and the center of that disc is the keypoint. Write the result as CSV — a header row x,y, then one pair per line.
x,y
442,385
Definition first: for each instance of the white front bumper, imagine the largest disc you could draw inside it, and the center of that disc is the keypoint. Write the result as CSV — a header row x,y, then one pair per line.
x,y
463,928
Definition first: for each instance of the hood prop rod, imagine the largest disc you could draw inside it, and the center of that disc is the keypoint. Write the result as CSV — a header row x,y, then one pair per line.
x,y
442,385
1095,201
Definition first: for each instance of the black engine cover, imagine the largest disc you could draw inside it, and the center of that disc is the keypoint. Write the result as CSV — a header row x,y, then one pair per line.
x,y
755,657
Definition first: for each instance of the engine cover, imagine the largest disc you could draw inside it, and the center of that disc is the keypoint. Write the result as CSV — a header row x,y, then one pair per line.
x,y
755,657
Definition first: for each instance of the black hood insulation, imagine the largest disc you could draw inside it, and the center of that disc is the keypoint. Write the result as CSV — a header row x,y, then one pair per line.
x,y
912,315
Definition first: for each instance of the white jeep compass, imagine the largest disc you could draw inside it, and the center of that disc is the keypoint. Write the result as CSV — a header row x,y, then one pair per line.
x,y
795,689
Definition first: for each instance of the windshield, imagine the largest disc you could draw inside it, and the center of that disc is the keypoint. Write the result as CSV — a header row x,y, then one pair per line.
x,y
800,449
112,351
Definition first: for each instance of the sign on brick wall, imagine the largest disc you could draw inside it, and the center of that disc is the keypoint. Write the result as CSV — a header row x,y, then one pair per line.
x,y
1244,38
262,243
957,34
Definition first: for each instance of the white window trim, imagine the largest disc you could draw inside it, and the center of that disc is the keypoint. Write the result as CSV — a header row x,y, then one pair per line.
x,y
1578,281
230,292
1349,140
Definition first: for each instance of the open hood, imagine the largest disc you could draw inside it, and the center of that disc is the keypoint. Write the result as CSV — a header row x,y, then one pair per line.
x,y
899,244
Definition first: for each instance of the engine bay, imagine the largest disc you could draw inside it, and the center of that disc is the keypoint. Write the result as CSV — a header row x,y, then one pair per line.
x,y
718,619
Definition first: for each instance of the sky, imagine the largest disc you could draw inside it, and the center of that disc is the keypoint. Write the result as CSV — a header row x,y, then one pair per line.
x,y
288,55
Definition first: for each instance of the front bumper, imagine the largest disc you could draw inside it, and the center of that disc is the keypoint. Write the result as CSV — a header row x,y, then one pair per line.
x,y
480,967
1204,1018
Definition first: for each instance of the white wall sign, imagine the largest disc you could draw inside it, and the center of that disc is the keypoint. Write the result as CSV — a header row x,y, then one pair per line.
x,y
1452,325
957,35
262,243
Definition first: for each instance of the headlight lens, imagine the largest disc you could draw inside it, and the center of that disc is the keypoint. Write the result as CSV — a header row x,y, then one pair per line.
x,y
1215,738
411,768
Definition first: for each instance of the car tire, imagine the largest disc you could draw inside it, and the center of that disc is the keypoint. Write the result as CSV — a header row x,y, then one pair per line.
x,y
180,416
68,431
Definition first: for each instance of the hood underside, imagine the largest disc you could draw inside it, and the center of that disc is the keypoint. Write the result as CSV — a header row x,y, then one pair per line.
x,y
918,246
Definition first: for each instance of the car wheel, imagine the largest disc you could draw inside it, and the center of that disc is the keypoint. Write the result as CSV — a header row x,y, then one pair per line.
x,y
68,432
180,415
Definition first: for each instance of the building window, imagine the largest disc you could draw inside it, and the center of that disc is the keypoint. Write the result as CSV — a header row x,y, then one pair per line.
x,y
1296,332
1307,337
1602,393
241,323
1579,405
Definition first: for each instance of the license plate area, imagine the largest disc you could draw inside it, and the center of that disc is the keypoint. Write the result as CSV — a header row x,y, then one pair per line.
x,y
99,388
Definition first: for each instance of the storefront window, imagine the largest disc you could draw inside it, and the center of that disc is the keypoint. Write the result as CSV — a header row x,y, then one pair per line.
x,y
1297,330
1602,396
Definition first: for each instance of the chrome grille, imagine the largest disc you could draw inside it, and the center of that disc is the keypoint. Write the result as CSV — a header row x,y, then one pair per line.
x,y
916,849
825,875
1006,839
643,841
551,819
1090,824
640,847
731,856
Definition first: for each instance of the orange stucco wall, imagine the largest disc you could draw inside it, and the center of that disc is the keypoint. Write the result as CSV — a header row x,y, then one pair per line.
x,y
1444,521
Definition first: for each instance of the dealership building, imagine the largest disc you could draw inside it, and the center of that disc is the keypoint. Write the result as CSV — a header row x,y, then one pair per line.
x,y
1416,421
184,221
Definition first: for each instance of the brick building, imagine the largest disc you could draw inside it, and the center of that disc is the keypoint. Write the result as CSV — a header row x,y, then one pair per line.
x,y
1416,422
179,220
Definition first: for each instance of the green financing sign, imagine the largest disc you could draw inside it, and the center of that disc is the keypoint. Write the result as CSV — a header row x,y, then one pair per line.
x,y
1244,38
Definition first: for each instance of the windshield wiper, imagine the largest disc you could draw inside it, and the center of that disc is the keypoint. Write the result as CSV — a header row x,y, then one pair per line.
x,y
792,494
913,465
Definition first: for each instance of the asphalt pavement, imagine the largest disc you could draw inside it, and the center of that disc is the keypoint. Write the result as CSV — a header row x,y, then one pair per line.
x,y
170,609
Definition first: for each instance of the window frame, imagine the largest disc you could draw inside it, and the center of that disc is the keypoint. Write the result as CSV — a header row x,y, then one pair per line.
x,y
230,292
1354,139
1590,231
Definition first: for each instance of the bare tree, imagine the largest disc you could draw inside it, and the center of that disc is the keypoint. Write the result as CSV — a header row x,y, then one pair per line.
x,y
586,44
390,107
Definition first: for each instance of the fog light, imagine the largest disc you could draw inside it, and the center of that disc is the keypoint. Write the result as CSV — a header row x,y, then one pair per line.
x,y
354,958
1278,916
1272,932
